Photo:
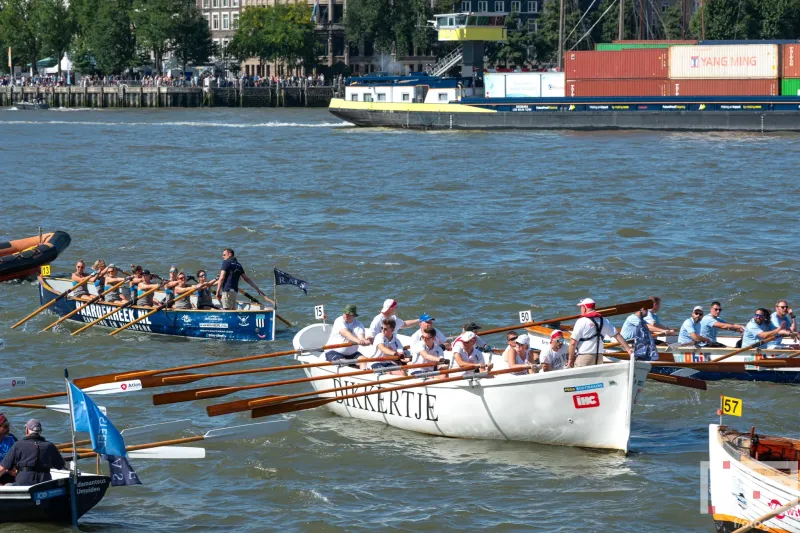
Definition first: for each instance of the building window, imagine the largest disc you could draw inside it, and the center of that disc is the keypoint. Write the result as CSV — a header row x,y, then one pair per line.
x,y
225,3
466,6
205,4
234,3
226,24
354,97
406,97
443,97
499,6
367,97
533,7
215,21
214,3
205,16
664,7
381,97
483,6
516,7
225,46
235,21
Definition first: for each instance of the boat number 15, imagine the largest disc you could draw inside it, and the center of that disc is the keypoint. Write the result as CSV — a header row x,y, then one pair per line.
x,y
45,270
525,316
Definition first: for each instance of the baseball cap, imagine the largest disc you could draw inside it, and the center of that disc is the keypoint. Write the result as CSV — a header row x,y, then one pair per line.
x,y
111,265
33,425
388,304
588,302
468,336
146,273
523,339
350,309
556,333
425,317
697,308
471,326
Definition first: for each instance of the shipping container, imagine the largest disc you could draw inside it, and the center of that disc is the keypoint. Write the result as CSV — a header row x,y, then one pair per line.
x,y
790,61
641,87
749,87
624,64
724,62
790,87
748,41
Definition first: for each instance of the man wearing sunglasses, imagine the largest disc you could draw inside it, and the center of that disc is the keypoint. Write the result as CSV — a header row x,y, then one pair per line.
x,y
712,322
554,356
759,328
388,345
783,317
690,329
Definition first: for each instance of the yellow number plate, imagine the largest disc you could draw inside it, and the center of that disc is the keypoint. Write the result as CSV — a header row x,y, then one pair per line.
x,y
731,406
45,270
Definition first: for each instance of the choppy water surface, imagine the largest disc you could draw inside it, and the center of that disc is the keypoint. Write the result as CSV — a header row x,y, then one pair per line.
x,y
465,226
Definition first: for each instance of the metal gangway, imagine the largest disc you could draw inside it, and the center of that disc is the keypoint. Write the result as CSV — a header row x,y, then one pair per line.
x,y
447,62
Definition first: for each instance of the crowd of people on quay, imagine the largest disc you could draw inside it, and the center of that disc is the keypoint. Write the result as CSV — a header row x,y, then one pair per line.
x,y
139,285
167,80
584,348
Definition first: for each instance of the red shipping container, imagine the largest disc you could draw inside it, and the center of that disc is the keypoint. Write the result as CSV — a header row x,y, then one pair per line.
x,y
622,64
790,63
720,87
583,88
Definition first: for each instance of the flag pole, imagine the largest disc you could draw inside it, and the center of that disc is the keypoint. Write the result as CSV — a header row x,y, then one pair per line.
x,y
274,291
73,493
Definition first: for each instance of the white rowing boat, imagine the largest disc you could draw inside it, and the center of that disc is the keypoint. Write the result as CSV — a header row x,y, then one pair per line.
x,y
752,475
588,407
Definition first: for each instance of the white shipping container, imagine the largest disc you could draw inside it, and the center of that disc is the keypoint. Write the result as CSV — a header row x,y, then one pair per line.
x,y
553,84
494,85
734,61
523,85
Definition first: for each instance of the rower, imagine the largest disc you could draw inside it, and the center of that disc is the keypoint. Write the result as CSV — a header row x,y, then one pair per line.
x,y
783,317
7,440
77,276
759,328
388,345
32,457
181,288
144,286
427,350
519,355
628,330
654,324
586,345
204,300
554,355
169,285
389,310
465,351
111,279
346,329
98,271
712,322
474,328
136,279
690,329
425,322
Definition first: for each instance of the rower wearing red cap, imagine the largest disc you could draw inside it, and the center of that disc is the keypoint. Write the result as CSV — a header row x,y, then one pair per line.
x,y
554,355
389,310
586,345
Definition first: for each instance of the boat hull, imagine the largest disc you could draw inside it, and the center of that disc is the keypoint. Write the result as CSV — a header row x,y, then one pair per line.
x,y
50,501
587,407
249,324
23,258
27,106
743,489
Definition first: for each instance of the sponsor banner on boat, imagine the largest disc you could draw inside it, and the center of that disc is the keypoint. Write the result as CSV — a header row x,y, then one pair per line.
x,y
586,401
47,494
213,325
579,388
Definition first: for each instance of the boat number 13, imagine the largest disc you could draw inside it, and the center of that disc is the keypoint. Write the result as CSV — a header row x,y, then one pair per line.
x,y
45,270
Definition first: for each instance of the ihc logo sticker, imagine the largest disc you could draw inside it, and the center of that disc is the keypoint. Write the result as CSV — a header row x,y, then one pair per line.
x,y
585,401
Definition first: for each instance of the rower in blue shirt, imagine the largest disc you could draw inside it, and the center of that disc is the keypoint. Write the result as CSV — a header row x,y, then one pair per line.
x,y
690,329
7,440
712,322
760,328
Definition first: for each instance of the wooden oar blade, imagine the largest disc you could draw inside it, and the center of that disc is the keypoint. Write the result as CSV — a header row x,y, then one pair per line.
x,y
679,380
166,398
289,407
228,408
4,401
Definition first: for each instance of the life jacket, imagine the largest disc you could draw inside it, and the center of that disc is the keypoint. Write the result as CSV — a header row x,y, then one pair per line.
x,y
598,327
645,345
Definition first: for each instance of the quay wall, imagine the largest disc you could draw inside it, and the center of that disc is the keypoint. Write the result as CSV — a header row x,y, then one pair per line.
x,y
153,97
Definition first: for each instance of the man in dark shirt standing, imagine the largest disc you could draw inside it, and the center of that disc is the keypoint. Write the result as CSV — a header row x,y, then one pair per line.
x,y
228,284
32,457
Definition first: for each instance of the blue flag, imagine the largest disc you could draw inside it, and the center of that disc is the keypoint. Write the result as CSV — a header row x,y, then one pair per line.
x,y
282,278
106,440
122,472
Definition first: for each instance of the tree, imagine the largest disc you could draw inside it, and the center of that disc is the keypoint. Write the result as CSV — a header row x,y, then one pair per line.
x,y
20,27
57,28
778,19
518,49
372,19
672,22
192,40
154,22
111,42
84,15
726,19
547,36
609,26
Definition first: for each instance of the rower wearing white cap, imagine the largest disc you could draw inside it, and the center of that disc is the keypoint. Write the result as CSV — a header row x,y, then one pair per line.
x,y
389,310
425,322
518,355
554,355
465,352
586,345
690,329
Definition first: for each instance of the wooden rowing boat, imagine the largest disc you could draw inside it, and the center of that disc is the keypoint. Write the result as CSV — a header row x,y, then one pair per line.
x,y
751,475
50,501
249,322
587,407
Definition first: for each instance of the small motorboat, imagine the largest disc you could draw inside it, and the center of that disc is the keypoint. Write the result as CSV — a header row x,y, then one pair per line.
x,y
50,501
23,258
24,106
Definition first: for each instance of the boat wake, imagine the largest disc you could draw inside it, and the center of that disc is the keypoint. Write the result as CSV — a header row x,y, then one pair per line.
x,y
189,124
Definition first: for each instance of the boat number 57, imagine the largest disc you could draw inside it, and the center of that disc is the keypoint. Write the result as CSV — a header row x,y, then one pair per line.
x,y
731,406
45,270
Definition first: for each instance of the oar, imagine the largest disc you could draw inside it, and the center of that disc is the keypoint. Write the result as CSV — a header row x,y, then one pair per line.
x,y
51,302
740,350
59,408
246,405
169,452
102,388
620,309
113,311
83,306
247,431
204,393
95,380
682,381
140,431
764,517
300,405
255,300
162,306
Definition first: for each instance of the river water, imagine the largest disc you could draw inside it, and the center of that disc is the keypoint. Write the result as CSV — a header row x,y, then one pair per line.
x,y
464,226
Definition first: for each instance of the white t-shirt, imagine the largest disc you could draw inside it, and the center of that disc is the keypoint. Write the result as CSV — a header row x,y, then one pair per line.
x,y
394,344
440,338
584,328
475,358
377,322
420,346
479,343
557,360
355,327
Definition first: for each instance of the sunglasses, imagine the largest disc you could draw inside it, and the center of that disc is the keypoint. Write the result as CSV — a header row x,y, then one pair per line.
x,y
716,309
758,316
783,307
512,339
201,275
181,277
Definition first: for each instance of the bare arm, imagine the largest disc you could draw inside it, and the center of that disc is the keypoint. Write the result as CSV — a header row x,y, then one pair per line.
x,y
220,281
573,346
623,343
729,327
699,338
252,284
429,356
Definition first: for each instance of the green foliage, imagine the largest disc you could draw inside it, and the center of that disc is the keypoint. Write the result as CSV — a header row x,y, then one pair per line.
x,y
111,42
546,38
192,39
393,26
57,28
154,24
276,33
672,22
20,27
518,50
747,19
609,26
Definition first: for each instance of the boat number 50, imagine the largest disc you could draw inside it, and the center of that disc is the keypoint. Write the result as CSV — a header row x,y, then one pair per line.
x,y
525,316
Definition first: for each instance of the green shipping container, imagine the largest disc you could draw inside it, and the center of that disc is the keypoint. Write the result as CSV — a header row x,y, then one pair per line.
x,y
790,87
615,47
